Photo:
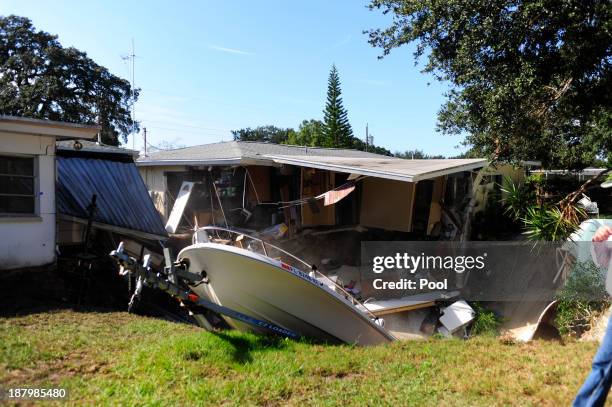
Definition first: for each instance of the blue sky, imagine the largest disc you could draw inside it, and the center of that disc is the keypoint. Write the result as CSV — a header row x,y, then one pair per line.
x,y
207,67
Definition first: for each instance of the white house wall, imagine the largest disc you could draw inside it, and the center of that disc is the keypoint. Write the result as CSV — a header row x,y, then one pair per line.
x,y
30,241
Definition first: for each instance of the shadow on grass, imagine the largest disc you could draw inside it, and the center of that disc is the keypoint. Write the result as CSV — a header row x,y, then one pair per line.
x,y
244,345
47,289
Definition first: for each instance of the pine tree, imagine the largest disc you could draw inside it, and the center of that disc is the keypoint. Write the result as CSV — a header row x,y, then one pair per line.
x,y
337,131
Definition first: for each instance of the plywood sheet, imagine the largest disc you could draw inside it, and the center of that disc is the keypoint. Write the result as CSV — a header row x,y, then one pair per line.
x,y
387,204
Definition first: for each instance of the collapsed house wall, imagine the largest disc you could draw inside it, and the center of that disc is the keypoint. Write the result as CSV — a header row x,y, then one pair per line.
x,y
387,204
156,180
409,207
255,188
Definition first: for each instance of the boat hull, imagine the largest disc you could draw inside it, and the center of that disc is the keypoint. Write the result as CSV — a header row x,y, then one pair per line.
x,y
269,290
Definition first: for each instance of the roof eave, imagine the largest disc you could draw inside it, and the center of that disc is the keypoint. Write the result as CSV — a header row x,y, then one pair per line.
x,y
452,170
380,174
147,162
59,130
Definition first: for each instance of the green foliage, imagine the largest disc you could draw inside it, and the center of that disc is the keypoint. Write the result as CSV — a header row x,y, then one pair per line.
x,y
310,133
416,154
517,198
486,322
359,144
540,220
41,79
337,131
531,78
547,224
269,133
581,300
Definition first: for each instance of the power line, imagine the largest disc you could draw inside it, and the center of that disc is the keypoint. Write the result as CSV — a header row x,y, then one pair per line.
x,y
188,125
185,131
215,101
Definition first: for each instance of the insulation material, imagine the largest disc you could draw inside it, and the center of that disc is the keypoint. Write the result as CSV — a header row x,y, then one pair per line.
x,y
387,204
179,206
314,183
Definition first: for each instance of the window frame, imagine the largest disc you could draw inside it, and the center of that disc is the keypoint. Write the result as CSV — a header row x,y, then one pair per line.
x,y
36,187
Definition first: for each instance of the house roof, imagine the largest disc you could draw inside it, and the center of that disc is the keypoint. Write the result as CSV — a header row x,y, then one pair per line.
x,y
59,130
123,204
240,152
93,147
332,159
385,167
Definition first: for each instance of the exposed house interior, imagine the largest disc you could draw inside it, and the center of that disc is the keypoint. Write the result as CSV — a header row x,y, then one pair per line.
x,y
320,203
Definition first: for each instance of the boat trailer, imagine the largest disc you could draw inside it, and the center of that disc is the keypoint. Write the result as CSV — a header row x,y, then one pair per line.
x,y
168,282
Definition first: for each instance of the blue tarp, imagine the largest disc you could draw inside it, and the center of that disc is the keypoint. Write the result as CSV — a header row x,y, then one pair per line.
x,y
122,197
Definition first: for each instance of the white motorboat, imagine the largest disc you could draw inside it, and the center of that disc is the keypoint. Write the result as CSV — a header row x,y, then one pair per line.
x,y
255,278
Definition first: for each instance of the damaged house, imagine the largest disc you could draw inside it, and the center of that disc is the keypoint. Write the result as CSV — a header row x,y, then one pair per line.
x,y
287,191
320,204
317,206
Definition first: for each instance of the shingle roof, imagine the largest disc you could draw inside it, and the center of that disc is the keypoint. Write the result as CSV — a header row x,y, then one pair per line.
x,y
244,150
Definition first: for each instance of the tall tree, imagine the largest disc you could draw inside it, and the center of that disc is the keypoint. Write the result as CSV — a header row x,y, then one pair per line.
x,y
41,79
531,78
337,131
269,133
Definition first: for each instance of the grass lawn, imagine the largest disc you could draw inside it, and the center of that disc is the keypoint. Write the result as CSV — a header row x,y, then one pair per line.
x,y
117,358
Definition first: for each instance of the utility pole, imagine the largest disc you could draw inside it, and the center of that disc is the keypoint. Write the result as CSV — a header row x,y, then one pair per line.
x,y
367,137
144,129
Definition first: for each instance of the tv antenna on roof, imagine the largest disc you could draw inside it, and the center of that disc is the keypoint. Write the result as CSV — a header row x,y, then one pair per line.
x,y
132,57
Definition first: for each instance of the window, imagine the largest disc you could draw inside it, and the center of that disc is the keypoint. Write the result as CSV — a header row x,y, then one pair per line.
x,y
17,186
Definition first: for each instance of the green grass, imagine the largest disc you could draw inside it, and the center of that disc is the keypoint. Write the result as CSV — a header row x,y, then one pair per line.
x,y
117,358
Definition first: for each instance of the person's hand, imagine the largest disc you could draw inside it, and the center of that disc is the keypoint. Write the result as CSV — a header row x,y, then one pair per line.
x,y
602,252
602,234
